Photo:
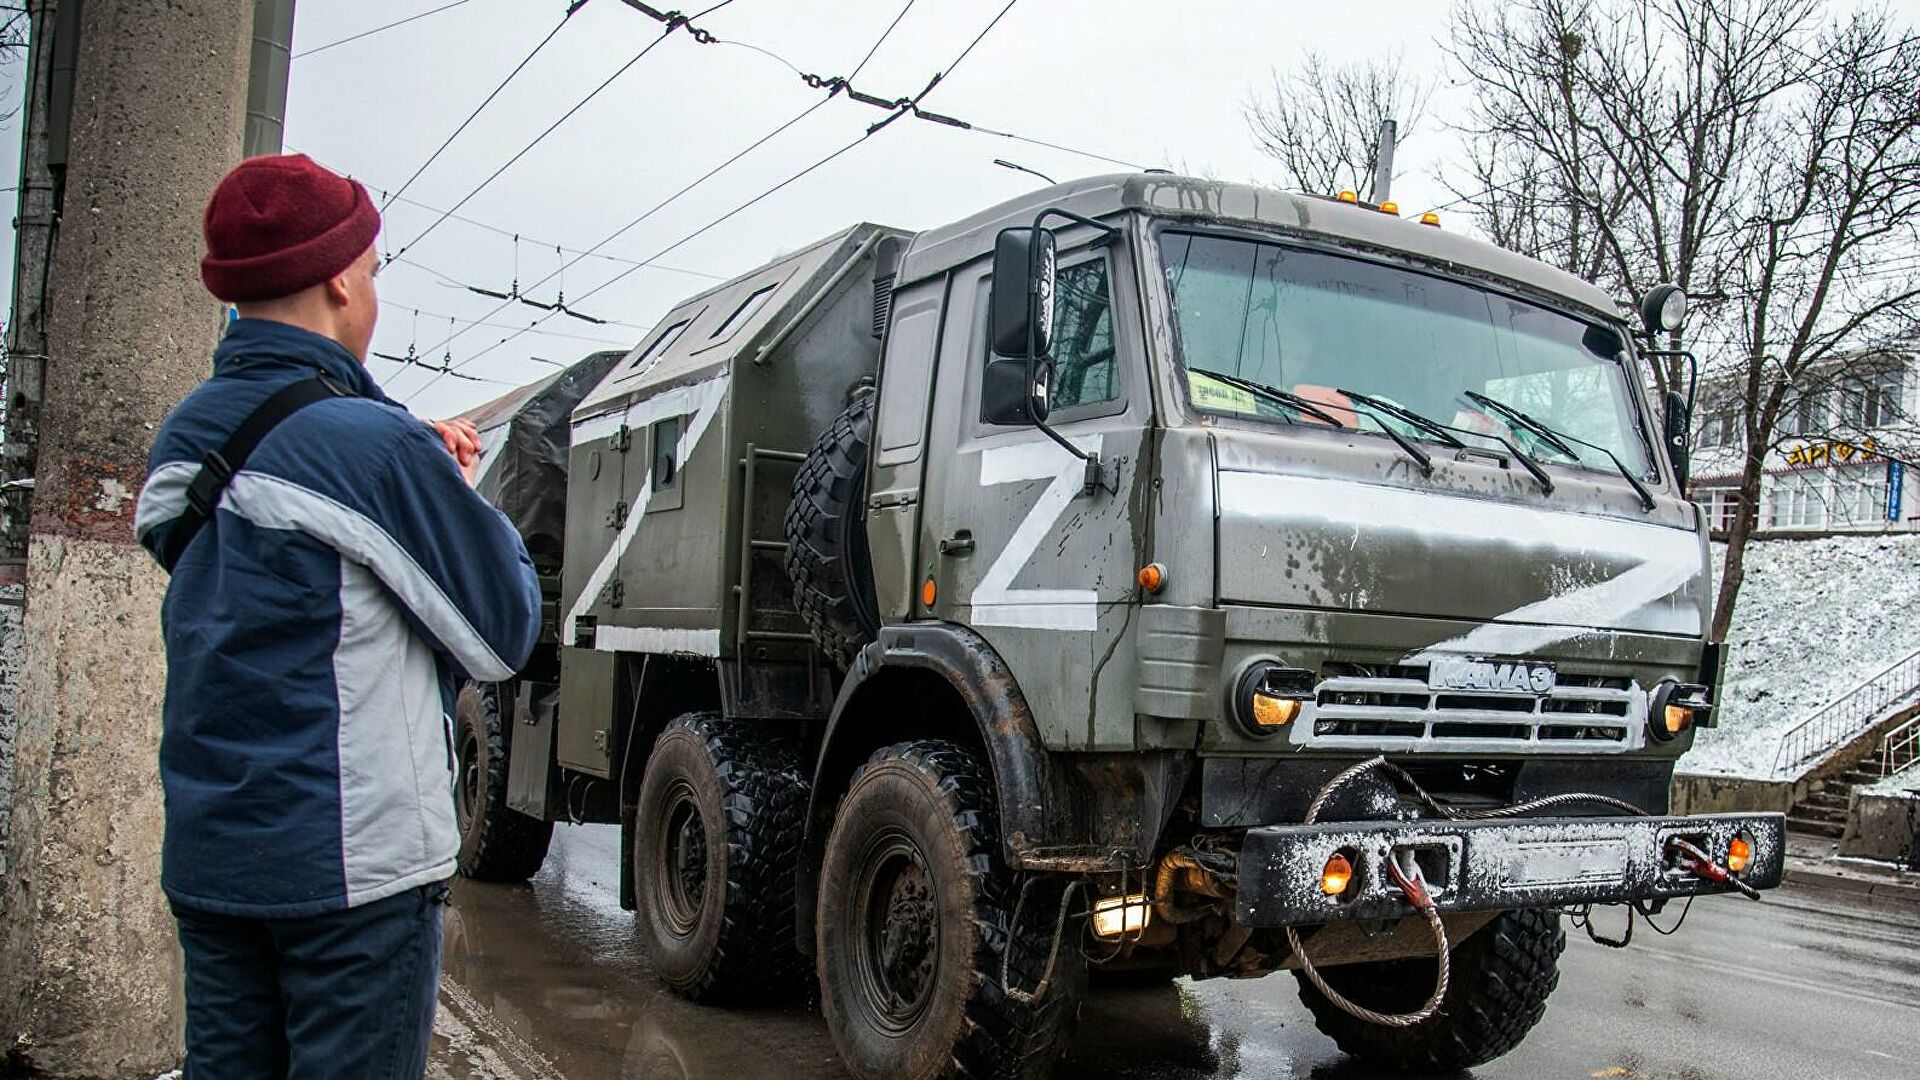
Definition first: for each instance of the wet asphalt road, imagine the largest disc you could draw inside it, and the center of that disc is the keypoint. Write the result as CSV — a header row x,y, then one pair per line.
x,y
548,981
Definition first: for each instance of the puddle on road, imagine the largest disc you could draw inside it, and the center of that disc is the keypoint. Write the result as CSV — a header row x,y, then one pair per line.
x,y
548,981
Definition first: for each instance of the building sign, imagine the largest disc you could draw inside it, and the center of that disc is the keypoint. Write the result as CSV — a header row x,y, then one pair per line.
x,y
1896,479
1822,454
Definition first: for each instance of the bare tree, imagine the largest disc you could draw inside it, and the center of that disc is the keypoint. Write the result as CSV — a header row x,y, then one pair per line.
x,y
1756,152
1321,121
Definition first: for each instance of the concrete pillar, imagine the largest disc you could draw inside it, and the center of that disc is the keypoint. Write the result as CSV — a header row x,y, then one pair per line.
x,y
89,972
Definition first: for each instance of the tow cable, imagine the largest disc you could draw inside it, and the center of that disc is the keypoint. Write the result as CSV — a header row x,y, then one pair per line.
x,y
1410,884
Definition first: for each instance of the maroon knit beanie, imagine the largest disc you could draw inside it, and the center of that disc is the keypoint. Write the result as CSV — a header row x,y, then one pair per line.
x,y
281,223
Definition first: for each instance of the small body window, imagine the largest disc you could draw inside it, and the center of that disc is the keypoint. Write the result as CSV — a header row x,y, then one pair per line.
x,y
748,309
666,444
660,344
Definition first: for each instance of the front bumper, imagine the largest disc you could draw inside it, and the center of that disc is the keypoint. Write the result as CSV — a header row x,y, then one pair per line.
x,y
1492,865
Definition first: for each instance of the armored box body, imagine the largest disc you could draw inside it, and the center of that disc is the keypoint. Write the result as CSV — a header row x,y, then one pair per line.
x,y
681,464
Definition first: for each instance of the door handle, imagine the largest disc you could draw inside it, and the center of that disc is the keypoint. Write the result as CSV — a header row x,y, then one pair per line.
x,y
959,543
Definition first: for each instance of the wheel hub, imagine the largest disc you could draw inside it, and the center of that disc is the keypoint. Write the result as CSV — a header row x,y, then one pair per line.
x,y
468,801
899,940
683,860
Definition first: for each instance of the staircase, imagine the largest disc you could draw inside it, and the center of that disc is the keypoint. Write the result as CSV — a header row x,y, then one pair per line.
x,y
1824,810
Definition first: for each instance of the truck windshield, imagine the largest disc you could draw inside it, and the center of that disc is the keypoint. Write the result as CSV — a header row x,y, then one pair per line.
x,y
1314,324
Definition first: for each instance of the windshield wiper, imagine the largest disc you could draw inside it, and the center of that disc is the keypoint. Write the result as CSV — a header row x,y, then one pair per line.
x,y
1445,434
1559,439
1424,459
1293,401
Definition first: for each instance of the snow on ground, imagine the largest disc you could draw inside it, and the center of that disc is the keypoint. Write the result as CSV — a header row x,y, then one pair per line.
x,y
1815,618
1904,782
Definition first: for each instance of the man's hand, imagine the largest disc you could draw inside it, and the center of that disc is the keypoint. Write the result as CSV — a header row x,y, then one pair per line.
x,y
463,442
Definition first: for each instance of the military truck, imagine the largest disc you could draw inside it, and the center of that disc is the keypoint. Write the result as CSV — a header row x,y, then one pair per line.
x,y
1147,576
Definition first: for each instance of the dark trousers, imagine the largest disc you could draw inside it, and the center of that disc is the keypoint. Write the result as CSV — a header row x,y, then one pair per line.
x,y
345,995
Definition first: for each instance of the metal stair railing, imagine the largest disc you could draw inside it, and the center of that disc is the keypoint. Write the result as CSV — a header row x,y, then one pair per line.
x,y
1847,715
1901,747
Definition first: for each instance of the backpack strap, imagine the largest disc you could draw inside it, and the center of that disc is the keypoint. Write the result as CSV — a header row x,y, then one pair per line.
x,y
219,466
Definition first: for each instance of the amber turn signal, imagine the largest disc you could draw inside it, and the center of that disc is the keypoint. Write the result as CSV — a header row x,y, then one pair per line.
x,y
1336,875
928,594
1675,719
1739,854
1273,712
1152,577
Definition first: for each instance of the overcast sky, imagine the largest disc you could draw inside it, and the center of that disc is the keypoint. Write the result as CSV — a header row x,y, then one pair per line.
x,y
1143,81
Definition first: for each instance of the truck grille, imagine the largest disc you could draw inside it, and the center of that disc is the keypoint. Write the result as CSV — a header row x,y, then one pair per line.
x,y
1390,706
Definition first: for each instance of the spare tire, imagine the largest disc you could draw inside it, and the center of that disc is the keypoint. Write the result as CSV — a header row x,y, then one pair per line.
x,y
827,558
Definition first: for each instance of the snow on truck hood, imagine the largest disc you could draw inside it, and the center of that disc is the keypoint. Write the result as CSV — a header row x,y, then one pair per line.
x,y
1534,576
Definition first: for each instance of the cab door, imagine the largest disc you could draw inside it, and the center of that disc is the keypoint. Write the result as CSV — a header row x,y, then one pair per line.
x,y
1013,542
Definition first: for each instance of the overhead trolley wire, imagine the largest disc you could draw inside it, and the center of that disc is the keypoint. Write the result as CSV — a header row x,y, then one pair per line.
x,y
769,136
378,29
572,9
901,107
673,22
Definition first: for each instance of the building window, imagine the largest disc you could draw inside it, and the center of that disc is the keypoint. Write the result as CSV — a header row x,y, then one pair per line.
x,y
1797,501
1801,413
1872,399
1721,506
1860,496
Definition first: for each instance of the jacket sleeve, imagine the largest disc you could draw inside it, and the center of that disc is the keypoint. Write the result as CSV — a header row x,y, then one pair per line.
x,y
460,571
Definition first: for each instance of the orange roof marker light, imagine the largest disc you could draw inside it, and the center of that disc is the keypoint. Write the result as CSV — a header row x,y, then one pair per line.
x,y
1430,218
1349,196
1390,207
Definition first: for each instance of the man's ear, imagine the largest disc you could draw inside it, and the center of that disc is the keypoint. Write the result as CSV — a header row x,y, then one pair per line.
x,y
339,289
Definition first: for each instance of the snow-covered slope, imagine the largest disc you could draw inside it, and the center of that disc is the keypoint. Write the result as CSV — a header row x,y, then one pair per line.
x,y
1815,618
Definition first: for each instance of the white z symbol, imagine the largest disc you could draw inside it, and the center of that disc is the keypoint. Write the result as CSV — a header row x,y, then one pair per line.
x,y
995,601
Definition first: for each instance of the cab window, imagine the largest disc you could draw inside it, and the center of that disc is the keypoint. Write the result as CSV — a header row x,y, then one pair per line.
x,y
1083,354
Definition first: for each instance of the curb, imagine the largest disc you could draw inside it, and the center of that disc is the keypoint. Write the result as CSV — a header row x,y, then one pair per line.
x,y
1902,892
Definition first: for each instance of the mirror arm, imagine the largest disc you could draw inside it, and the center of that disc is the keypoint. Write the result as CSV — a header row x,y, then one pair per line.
x,y
1693,371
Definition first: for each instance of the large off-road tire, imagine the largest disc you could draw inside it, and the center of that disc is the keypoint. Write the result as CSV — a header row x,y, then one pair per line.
x,y
716,845
497,842
1502,976
914,921
826,531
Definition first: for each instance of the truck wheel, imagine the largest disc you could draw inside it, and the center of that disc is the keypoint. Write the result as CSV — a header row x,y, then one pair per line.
x,y
497,842
1502,976
826,533
716,846
915,908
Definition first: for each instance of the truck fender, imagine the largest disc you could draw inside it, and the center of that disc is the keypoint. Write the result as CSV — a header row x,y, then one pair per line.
x,y
1003,725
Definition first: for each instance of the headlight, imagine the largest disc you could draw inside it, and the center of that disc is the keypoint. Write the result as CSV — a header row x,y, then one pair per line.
x,y
1676,706
1269,697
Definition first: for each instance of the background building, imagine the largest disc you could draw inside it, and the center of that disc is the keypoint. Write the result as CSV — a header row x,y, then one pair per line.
x,y
1837,464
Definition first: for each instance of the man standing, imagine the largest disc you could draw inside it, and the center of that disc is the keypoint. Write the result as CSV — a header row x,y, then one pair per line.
x,y
333,576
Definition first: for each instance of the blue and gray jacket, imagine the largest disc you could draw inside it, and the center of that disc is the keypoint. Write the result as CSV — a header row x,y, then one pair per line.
x,y
314,630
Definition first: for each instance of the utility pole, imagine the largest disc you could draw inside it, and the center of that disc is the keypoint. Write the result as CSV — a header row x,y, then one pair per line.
x,y
1383,162
89,971
36,218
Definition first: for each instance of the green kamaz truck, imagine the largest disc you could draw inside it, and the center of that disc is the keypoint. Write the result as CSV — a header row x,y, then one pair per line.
x,y
1148,575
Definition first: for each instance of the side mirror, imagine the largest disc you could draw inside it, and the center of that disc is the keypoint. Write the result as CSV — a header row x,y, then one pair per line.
x,y
1016,391
1663,309
1022,302
1679,436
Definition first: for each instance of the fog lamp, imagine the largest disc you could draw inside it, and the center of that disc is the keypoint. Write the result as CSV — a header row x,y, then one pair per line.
x,y
1739,854
1336,875
1116,916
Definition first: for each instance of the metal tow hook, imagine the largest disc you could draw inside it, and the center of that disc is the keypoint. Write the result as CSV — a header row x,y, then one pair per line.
x,y
1702,865
1409,880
